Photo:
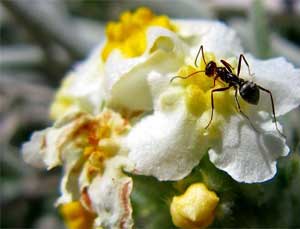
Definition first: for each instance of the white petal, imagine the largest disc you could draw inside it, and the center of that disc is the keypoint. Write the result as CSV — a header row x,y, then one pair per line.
x,y
116,65
165,144
32,150
49,145
126,83
248,156
86,85
281,78
43,148
159,83
70,187
132,90
110,195
215,37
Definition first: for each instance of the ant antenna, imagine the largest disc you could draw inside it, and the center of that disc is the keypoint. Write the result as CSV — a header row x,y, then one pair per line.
x,y
242,57
201,48
185,77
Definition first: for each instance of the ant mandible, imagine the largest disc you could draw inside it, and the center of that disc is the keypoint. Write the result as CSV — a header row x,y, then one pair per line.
x,y
248,90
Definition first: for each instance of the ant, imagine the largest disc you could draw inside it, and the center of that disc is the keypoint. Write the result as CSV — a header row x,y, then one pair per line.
x,y
248,90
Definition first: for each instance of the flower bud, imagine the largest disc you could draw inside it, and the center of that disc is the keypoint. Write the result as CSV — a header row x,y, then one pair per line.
x,y
76,216
195,208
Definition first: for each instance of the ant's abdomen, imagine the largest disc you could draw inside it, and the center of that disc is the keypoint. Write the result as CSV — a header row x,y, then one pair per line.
x,y
249,92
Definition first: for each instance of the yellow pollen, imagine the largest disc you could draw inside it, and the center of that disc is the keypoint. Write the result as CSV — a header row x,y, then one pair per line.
x,y
129,34
76,216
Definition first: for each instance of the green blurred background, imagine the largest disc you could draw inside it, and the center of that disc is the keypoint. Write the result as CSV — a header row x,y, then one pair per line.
x,y
41,40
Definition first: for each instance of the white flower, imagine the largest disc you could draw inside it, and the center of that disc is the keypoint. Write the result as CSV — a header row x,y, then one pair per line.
x,y
167,137
170,140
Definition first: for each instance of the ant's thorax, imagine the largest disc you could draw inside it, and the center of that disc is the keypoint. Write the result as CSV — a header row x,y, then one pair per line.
x,y
228,77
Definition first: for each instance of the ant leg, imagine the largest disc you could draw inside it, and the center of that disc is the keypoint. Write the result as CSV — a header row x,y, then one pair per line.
x,y
227,65
240,63
184,77
240,110
201,48
273,109
215,79
212,102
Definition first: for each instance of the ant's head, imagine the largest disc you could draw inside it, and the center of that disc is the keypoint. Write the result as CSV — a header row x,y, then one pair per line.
x,y
249,91
210,68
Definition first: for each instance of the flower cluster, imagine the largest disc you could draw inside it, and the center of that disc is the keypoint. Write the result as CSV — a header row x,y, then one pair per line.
x,y
118,113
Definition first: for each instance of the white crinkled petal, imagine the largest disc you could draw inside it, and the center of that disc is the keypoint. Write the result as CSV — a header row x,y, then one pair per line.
x,y
48,145
215,37
110,195
125,81
86,85
32,150
132,90
70,187
43,148
246,155
165,144
281,78
159,83
116,65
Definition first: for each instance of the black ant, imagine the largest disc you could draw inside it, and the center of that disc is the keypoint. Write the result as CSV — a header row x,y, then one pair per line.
x,y
248,90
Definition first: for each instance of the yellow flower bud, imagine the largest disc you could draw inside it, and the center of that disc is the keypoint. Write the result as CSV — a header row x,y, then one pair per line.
x,y
144,14
195,208
114,31
125,17
76,216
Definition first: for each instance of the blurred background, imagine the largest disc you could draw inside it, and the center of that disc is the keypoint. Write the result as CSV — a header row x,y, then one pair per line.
x,y
41,40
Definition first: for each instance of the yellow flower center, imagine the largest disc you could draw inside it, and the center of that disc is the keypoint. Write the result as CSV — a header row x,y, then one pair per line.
x,y
76,216
197,94
129,34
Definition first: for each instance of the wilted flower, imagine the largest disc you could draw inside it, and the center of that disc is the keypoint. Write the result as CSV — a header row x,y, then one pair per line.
x,y
89,149
119,111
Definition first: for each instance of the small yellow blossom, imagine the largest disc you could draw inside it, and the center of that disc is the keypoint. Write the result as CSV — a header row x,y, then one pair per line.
x,y
129,34
76,216
195,208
